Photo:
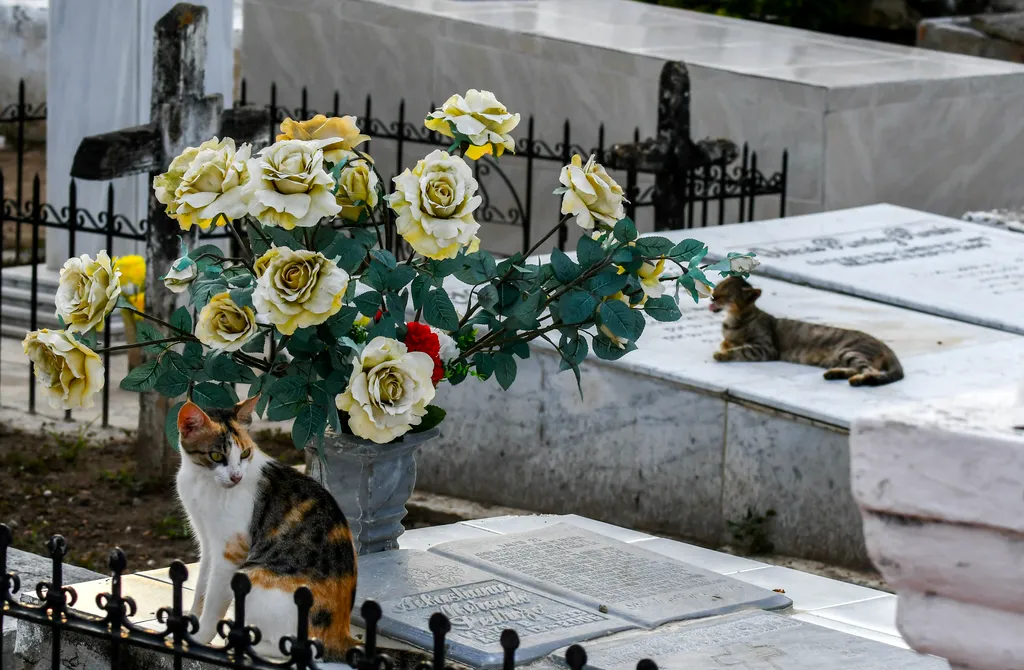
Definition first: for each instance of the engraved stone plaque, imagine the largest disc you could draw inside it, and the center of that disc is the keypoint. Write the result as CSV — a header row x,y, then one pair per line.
x,y
633,583
411,585
894,255
751,641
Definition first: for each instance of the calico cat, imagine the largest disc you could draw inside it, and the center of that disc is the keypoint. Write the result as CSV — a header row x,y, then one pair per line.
x,y
253,514
753,335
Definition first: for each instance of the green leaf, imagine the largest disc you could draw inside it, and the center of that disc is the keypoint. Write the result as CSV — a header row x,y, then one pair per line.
x,y
484,364
573,348
420,290
384,257
589,252
565,269
349,253
283,238
289,389
242,297
621,320
304,344
257,345
480,267
204,289
342,322
147,332
213,396
488,297
519,348
438,311
625,230
577,306
663,308
386,327
325,239
174,375
182,320
279,411
205,249
376,276
193,355
171,426
397,305
607,283
400,277
310,423
142,378
222,368
432,419
504,369
606,350
368,303
686,250
653,247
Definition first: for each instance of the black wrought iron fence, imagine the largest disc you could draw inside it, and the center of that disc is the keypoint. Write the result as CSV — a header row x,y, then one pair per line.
x,y
171,636
719,183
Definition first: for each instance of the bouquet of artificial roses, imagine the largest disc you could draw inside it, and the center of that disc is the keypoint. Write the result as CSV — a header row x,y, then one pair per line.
x,y
325,323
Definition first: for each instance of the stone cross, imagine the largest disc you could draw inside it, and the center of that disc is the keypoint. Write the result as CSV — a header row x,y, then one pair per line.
x,y
181,115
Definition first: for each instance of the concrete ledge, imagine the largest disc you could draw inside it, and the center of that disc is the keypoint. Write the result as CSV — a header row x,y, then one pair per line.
x,y
940,492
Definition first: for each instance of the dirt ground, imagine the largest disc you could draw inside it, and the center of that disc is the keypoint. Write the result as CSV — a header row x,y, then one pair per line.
x,y
86,490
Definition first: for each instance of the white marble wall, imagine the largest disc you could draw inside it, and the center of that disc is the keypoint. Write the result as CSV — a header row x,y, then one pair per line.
x,y
864,122
100,74
668,439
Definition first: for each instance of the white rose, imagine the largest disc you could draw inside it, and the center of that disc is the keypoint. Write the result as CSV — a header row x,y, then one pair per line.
x,y
449,350
388,392
480,117
590,194
69,372
743,264
299,289
435,202
88,292
205,184
182,273
289,187
224,326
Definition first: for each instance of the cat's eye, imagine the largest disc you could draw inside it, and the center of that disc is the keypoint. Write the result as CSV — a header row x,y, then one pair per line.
x,y
216,457
246,453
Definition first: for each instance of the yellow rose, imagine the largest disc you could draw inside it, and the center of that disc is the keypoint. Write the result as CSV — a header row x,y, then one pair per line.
x,y
362,321
650,278
138,301
357,183
206,184
88,292
481,118
388,392
590,194
289,187
260,266
132,269
223,325
343,129
299,289
435,202
69,372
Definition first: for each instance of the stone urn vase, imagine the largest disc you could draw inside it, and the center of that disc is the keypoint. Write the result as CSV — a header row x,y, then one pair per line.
x,y
371,482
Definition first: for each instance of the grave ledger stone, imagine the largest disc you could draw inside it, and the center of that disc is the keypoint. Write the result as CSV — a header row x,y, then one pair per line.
x,y
899,256
562,584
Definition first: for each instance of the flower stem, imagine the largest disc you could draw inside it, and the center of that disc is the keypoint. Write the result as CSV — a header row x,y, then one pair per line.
x,y
188,336
123,347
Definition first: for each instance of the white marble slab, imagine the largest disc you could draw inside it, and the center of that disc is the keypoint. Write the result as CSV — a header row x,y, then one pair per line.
x,y
942,266
100,72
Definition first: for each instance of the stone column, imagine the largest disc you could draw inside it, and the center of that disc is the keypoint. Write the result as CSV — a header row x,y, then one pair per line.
x,y
941,491
100,74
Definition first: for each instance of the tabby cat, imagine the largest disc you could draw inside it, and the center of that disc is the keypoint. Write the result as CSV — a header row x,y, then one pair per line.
x,y
253,514
751,334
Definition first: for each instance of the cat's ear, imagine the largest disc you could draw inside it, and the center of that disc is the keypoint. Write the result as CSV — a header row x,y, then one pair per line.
x,y
245,409
756,294
192,421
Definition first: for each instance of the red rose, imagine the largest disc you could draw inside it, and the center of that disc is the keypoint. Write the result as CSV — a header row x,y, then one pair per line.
x,y
420,337
376,317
